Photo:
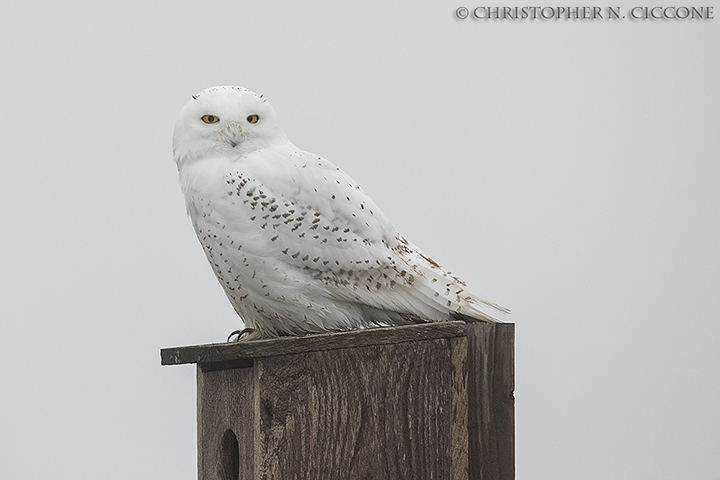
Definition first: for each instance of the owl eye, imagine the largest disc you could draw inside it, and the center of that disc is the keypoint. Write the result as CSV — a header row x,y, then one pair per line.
x,y
210,119
253,118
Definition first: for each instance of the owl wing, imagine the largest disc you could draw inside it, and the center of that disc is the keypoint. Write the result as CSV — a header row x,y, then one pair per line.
x,y
313,215
314,218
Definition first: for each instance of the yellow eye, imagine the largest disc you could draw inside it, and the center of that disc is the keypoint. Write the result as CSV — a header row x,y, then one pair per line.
x,y
253,118
210,119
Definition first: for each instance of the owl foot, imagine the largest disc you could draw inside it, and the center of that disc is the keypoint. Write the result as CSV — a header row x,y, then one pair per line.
x,y
243,335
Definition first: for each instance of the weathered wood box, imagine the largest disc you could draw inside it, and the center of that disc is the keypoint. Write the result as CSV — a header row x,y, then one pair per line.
x,y
431,401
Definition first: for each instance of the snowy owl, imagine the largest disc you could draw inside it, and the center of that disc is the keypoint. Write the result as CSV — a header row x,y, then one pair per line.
x,y
297,245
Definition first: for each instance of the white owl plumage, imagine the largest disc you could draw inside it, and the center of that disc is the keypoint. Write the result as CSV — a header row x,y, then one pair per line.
x,y
294,241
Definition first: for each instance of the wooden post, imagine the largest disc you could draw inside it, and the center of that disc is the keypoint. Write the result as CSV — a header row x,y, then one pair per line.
x,y
430,401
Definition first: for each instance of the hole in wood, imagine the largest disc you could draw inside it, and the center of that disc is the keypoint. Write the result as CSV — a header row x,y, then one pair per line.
x,y
229,456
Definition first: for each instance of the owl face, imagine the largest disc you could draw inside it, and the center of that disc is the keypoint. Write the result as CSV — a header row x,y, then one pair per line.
x,y
224,121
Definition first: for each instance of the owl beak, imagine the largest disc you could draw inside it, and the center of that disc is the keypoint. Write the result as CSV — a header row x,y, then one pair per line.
x,y
232,134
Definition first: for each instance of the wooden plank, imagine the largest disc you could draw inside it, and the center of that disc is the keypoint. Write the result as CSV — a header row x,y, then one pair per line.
x,y
491,386
380,412
459,404
224,401
226,352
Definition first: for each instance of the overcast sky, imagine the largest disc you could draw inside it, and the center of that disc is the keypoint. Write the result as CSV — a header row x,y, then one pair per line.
x,y
569,170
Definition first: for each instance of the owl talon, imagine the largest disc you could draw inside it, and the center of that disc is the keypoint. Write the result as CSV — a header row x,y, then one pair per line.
x,y
245,331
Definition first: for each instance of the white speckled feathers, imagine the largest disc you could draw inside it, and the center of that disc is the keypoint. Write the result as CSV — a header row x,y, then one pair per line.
x,y
295,242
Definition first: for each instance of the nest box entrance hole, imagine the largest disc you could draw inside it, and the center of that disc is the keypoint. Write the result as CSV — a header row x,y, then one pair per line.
x,y
229,456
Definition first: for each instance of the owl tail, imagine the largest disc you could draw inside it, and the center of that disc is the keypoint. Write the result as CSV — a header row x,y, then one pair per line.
x,y
434,283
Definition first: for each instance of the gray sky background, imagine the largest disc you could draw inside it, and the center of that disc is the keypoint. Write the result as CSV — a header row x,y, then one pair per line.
x,y
569,170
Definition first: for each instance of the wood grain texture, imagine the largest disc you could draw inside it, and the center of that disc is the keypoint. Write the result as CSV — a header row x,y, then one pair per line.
x,y
225,401
459,408
223,352
376,412
429,401
491,387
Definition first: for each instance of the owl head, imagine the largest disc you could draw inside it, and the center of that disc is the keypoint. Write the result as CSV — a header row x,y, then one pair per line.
x,y
224,121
